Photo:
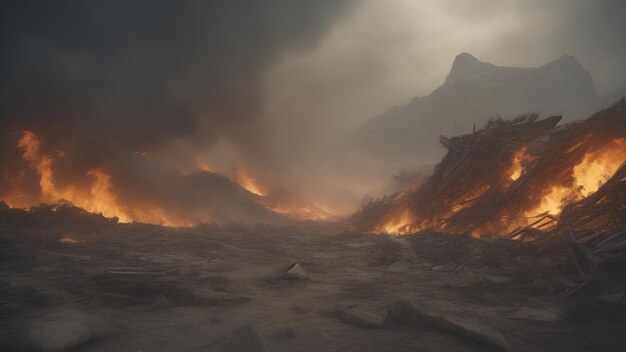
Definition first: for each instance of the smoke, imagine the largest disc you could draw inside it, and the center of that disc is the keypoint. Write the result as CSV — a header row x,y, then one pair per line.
x,y
147,89
141,89
387,52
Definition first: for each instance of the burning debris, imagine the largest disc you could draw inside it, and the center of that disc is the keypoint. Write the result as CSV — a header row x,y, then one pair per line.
x,y
513,178
563,189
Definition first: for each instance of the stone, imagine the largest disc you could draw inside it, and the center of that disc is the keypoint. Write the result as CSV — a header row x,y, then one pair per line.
x,y
413,313
296,272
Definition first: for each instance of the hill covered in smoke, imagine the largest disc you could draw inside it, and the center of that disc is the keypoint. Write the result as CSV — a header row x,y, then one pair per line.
x,y
473,92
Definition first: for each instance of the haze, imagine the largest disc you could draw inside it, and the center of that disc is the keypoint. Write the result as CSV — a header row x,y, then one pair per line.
x,y
152,89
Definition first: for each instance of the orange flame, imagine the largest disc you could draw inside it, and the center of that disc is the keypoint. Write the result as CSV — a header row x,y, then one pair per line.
x,y
397,224
588,174
247,181
595,168
100,199
520,158
203,165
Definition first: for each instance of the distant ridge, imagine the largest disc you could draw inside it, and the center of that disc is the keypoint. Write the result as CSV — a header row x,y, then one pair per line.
x,y
473,92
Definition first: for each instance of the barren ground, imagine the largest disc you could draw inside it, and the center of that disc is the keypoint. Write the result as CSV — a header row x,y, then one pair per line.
x,y
132,287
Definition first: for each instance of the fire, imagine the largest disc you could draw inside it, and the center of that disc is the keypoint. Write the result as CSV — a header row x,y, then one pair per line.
x,y
595,168
103,200
297,208
397,224
203,165
99,199
520,158
247,181
581,178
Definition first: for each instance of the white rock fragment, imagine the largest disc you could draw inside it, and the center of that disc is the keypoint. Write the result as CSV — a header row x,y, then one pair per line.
x,y
296,272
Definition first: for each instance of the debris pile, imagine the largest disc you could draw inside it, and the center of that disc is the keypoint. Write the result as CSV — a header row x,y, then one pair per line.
x,y
510,175
525,179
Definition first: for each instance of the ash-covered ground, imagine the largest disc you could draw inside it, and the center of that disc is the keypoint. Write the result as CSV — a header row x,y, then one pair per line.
x,y
76,281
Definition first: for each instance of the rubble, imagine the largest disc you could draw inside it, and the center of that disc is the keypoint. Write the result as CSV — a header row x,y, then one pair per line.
x,y
491,181
413,313
192,289
296,272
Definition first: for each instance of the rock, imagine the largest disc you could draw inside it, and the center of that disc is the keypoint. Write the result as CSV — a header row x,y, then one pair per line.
x,y
246,339
359,318
412,313
526,313
66,330
296,272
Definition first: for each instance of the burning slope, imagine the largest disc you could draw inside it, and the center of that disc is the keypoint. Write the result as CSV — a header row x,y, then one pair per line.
x,y
507,176
180,198
99,198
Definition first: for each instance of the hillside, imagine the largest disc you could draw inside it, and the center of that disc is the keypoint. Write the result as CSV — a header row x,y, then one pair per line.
x,y
473,92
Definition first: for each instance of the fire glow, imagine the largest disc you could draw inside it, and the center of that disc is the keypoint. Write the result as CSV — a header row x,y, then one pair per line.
x,y
98,194
585,177
247,181
98,197
588,175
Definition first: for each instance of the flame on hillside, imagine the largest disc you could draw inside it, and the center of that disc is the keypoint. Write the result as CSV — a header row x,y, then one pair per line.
x,y
247,181
98,197
97,193
596,167
585,178
508,177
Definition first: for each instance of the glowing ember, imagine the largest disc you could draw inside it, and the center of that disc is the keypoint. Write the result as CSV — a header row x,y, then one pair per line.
x,y
245,180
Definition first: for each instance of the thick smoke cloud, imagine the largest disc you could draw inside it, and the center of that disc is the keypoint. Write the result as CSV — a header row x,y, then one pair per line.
x,y
137,74
273,84
103,80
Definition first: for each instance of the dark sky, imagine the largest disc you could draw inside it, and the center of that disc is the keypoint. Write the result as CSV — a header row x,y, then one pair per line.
x,y
137,74
271,83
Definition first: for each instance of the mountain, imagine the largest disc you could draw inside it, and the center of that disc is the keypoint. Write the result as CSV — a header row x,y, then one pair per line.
x,y
473,92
